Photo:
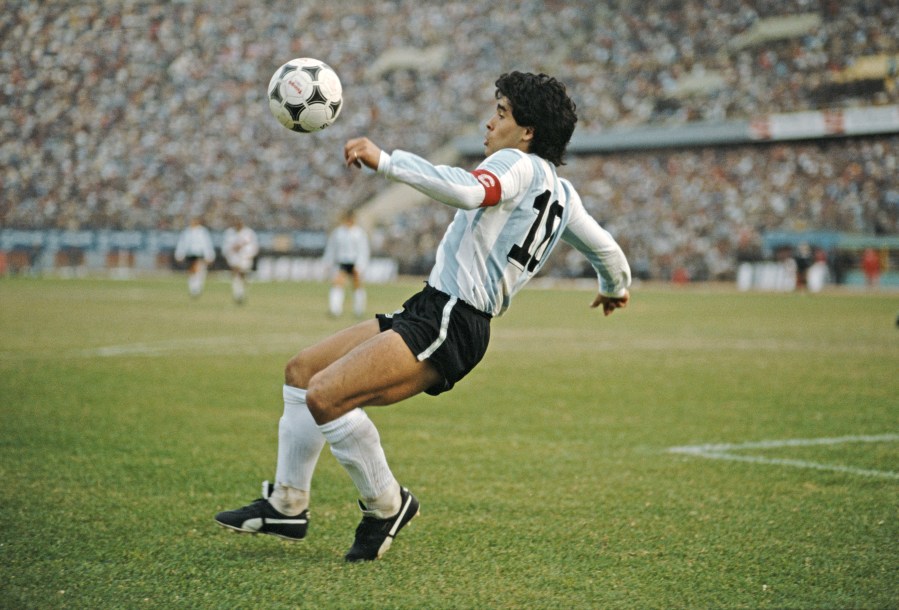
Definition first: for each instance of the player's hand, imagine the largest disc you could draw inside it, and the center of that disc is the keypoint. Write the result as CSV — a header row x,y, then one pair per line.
x,y
361,151
610,304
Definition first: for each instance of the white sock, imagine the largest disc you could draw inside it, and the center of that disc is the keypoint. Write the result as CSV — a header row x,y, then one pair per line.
x,y
201,279
237,288
356,444
359,302
335,300
194,284
299,445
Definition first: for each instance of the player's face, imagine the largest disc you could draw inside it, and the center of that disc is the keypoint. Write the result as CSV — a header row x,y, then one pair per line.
x,y
504,132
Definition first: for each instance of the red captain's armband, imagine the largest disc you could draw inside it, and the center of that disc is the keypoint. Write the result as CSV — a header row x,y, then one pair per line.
x,y
493,191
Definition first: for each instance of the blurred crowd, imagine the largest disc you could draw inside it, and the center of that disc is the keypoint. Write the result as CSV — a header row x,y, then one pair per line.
x,y
139,115
702,212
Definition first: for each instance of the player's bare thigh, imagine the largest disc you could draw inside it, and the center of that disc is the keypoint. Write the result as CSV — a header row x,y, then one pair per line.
x,y
379,371
311,360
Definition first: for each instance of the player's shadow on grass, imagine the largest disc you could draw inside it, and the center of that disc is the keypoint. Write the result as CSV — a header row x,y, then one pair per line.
x,y
247,547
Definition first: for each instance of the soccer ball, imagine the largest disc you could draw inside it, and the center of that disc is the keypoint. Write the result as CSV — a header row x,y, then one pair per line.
x,y
305,95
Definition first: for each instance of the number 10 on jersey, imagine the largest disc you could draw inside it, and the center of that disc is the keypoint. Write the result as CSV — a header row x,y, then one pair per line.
x,y
529,254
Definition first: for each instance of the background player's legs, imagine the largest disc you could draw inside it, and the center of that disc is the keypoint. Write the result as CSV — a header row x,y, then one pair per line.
x,y
196,278
335,301
238,286
336,295
359,296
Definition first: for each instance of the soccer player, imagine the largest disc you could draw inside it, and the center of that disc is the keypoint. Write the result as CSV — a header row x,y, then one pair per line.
x,y
195,247
347,253
240,247
512,211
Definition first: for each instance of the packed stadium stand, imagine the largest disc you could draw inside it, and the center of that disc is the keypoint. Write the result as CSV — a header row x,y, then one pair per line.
x,y
138,115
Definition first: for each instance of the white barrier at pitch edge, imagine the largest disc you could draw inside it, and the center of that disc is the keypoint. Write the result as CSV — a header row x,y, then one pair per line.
x,y
303,268
779,277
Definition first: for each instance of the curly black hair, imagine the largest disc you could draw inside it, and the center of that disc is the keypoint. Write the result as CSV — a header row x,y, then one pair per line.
x,y
541,102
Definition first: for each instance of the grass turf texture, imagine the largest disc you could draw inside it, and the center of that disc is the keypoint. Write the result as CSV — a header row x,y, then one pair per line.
x,y
131,415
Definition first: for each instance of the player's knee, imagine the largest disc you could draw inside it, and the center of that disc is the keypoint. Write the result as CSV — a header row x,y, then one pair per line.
x,y
317,401
298,372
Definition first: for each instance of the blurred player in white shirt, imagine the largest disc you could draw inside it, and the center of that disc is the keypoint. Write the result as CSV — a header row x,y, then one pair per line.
x,y
195,248
512,211
347,254
240,247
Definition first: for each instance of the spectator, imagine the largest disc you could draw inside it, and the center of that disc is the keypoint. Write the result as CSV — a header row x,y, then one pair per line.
x,y
818,273
804,260
871,267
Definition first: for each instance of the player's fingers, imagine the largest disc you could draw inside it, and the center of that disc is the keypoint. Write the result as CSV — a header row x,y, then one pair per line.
x,y
610,305
351,151
356,151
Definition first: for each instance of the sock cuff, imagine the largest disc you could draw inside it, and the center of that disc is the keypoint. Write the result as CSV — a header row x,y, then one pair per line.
x,y
294,396
340,428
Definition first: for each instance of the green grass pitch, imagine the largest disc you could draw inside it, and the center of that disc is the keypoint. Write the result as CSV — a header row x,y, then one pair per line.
x,y
548,478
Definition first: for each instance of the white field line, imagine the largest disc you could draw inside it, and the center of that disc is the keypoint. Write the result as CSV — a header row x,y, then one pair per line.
x,y
247,345
725,452
251,345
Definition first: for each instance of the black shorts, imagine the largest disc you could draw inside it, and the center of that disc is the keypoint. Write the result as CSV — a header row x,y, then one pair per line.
x,y
347,268
446,331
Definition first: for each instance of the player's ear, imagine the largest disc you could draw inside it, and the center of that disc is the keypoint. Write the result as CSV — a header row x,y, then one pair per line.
x,y
528,134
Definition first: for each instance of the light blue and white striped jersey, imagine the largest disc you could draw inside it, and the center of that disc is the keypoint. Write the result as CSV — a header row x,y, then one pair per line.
x,y
513,209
